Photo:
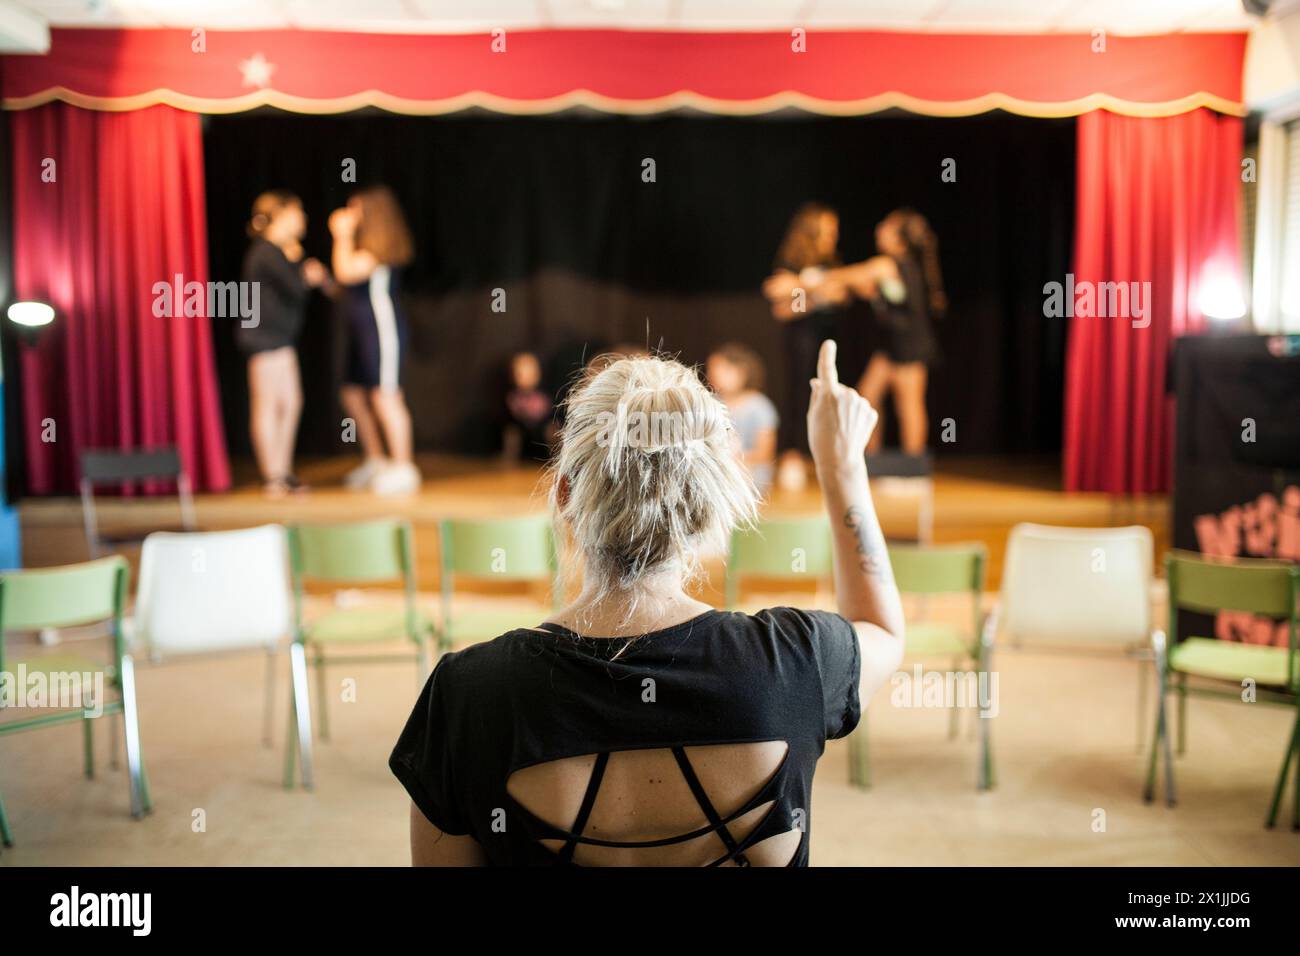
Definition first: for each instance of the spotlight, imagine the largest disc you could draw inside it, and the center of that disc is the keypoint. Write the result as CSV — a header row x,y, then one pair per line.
x,y
1221,299
33,315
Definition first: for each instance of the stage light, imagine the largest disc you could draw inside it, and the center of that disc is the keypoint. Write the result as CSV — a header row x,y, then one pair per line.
x,y
31,314
1221,298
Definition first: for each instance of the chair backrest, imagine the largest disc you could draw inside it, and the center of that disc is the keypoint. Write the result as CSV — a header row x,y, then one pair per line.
x,y
1077,585
1258,585
510,549
946,569
797,548
356,552
109,465
64,596
214,590
101,466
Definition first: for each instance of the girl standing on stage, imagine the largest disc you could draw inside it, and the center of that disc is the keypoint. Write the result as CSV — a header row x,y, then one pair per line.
x,y
905,287
275,262
806,297
371,246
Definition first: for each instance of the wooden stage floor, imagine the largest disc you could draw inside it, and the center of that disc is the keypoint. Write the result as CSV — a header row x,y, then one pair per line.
x,y
976,499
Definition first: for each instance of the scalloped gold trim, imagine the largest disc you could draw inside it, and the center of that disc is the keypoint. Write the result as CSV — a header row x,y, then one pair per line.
x,y
586,98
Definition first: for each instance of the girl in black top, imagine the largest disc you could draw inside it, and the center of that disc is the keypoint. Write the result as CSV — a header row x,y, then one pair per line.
x,y
639,726
905,287
275,262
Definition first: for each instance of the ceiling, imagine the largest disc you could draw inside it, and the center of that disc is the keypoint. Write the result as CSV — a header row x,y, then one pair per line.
x,y
465,16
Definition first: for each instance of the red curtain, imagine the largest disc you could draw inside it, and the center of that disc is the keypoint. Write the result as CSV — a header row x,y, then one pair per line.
x,y
105,206
1157,203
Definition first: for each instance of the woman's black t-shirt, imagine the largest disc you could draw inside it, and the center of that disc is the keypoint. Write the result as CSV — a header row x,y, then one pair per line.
x,y
534,696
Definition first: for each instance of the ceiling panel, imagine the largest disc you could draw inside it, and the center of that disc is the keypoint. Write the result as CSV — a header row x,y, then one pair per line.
x,y
622,14
433,16
870,14
740,14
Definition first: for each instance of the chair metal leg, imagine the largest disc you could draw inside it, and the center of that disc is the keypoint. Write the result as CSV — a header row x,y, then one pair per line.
x,y
140,801
322,697
88,741
1171,797
1291,755
986,776
1144,676
953,726
1149,788
1182,714
268,701
859,756
6,835
112,740
422,662
290,742
299,720
1295,793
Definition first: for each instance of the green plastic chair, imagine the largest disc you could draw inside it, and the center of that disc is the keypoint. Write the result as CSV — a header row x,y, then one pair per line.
x,y
499,549
948,569
69,596
1259,586
363,552
790,548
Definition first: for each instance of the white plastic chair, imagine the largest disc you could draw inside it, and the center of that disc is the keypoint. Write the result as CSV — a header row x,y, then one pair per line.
x,y
208,592
1077,589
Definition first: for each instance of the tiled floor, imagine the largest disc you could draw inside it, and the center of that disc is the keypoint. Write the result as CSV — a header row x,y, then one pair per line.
x,y
1064,742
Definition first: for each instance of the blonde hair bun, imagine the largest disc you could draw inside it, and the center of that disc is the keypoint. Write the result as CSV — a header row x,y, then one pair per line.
x,y
653,476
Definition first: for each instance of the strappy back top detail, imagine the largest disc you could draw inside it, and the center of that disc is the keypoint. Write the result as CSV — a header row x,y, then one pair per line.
x,y
695,742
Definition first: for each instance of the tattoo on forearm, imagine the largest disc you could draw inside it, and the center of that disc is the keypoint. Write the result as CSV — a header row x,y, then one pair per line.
x,y
873,559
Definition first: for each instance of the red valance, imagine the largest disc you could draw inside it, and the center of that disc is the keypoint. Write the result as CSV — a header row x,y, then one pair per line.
x,y
844,73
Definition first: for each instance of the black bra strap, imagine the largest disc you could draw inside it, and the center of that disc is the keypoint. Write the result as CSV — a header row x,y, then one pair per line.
x,y
702,798
584,811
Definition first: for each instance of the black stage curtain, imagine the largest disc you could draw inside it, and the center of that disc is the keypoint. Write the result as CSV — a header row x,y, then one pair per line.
x,y
555,211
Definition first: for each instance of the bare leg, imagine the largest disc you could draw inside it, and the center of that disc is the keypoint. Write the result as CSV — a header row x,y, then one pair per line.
x,y
356,405
265,385
909,395
872,385
290,410
395,419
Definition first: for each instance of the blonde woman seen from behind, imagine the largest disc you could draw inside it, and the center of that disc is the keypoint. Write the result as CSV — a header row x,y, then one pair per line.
x,y
639,726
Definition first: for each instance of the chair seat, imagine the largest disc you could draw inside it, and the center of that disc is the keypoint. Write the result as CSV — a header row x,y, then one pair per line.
x,y
469,627
1228,660
927,638
356,625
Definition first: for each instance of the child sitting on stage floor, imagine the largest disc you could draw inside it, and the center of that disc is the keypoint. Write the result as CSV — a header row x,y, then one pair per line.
x,y
735,373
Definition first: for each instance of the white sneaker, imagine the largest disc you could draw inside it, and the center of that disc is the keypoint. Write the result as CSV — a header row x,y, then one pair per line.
x,y
361,476
401,479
